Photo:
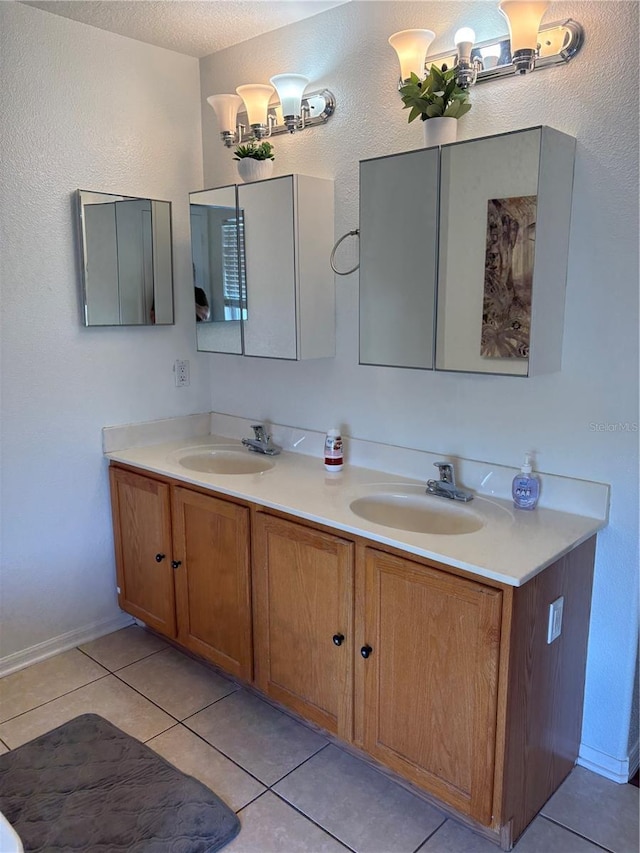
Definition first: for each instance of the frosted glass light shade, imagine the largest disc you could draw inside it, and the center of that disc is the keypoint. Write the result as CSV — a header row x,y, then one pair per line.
x,y
524,20
411,47
290,88
256,97
464,41
226,109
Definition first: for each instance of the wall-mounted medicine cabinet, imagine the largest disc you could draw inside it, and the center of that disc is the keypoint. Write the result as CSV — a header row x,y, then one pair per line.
x,y
262,277
463,254
126,260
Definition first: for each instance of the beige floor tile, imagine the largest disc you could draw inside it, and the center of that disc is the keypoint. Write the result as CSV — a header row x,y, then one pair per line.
x,y
255,735
41,682
107,697
192,755
270,826
542,836
3,748
179,684
597,808
123,647
359,805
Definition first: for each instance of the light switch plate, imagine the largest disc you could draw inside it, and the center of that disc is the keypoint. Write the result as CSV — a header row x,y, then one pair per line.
x,y
555,619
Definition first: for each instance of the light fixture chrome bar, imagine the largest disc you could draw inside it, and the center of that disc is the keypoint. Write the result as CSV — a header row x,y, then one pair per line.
x,y
317,108
557,43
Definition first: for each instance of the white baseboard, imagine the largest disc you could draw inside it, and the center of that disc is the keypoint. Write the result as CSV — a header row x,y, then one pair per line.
x,y
41,651
616,769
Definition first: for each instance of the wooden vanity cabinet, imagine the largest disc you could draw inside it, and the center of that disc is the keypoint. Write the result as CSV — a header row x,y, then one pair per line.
x,y
303,620
431,679
445,678
182,562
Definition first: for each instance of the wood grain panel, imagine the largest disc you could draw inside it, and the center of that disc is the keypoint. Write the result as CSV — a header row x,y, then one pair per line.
x,y
303,582
211,541
546,685
431,681
142,530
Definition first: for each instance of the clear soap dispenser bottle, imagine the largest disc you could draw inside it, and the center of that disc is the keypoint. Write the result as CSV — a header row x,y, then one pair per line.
x,y
526,487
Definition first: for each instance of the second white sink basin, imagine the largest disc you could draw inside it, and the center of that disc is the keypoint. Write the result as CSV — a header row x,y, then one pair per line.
x,y
417,512
223,460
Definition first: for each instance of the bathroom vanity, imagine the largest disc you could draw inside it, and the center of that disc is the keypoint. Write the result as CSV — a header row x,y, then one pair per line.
x,y
395,642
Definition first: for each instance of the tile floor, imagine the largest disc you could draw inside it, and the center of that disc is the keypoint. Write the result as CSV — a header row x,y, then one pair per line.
x,y
293,790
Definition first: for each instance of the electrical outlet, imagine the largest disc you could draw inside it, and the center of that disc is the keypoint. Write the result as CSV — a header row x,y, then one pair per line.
x,y
181,370
555,619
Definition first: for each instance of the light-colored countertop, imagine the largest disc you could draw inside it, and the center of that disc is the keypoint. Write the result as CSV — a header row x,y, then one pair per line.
x,y
511,547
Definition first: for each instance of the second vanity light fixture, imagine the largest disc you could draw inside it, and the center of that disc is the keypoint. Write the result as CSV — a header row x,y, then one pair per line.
x,y
529,46
295,110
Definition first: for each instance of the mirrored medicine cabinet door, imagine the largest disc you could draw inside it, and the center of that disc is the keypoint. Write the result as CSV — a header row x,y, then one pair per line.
x,y
398,254
219,279
126,260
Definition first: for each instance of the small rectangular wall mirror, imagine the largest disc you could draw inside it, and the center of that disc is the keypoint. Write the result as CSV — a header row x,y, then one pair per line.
x,y
126,260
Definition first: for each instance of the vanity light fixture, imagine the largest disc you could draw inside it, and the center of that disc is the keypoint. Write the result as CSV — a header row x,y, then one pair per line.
x,y
226,109
256,97
466,68
529,46
524,22
411,47
290,88
253,113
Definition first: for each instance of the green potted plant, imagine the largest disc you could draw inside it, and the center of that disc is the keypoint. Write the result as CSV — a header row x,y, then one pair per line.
x,y
439,101
255,160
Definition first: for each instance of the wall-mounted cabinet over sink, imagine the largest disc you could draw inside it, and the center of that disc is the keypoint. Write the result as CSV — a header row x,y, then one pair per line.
x,y
261,259
463,254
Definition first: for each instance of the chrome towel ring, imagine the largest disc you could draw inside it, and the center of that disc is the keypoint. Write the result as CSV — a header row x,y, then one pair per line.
x,y
354,233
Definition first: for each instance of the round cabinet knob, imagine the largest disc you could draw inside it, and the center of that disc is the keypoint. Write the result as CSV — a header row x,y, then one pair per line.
x,y
365,651
175,564
338,639
159,558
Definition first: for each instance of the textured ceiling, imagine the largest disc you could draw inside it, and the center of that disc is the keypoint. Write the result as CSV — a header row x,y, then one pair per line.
x,y
187,26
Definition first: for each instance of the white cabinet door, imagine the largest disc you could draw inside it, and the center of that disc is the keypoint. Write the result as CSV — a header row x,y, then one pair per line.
x,y
269,217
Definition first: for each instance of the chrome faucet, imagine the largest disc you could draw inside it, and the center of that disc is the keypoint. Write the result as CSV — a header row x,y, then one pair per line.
x,y
446,487
261,442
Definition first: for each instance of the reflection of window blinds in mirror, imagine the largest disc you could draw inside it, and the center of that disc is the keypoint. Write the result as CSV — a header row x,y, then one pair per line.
x,y
233,273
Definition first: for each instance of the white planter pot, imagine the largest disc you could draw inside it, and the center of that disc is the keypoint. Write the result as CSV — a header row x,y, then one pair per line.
x,y
440,131
250,169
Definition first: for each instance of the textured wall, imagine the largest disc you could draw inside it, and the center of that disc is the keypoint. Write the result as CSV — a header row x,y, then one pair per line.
x,y
80,108
481,417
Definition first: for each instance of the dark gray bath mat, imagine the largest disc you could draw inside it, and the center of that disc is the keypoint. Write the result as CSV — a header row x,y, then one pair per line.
x,y
87,786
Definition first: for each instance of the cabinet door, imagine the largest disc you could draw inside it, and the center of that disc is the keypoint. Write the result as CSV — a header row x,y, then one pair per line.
x,y
267,207
431,679
398,262
303,616
142,532
211,543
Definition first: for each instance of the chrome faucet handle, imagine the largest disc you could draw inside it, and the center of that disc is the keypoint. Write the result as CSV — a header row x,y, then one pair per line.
x,y
260,433
446,472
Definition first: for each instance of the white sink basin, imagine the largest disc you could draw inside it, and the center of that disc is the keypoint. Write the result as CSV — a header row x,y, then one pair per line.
x,y
222,460
407,508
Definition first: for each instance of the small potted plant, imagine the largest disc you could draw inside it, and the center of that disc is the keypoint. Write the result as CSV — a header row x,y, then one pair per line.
x,y
255,160
439,101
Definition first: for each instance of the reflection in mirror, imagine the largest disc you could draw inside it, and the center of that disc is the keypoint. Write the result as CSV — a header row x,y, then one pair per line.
x,y
127,276
398,250
217,246
217,253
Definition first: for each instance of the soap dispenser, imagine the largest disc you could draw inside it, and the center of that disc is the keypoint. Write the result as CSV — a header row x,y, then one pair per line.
x,y
526,487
